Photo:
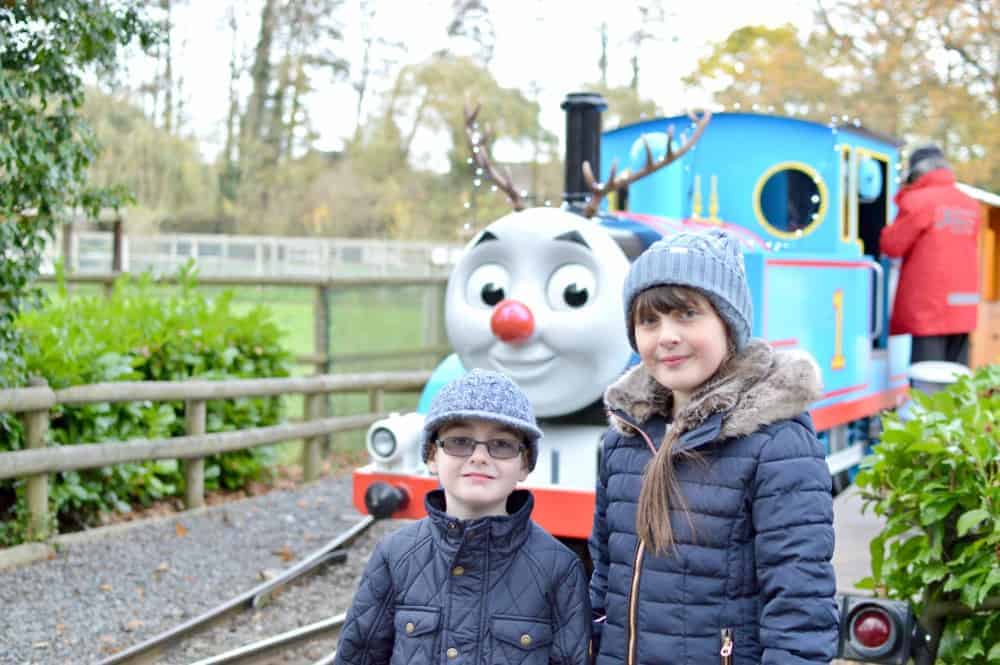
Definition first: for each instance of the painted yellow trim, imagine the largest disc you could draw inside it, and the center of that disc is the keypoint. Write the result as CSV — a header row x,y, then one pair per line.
x,y
824,199
852,200
696,203
843,175
839,360
713,200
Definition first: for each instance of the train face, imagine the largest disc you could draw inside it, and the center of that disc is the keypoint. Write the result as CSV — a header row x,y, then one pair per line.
x,y
537,294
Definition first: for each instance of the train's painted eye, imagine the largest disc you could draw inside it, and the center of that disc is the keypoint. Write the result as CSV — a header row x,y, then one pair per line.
x,y
570,287
488,284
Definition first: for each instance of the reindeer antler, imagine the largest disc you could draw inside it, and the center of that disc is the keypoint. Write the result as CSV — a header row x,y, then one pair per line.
x,y
477,144
600,190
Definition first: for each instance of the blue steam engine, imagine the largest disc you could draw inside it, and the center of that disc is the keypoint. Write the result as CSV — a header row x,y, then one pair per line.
x,y
537,293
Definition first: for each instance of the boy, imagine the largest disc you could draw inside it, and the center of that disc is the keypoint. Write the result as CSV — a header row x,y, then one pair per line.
x,y
475,582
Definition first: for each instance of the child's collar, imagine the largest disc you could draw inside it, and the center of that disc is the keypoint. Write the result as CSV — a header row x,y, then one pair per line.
x,y
504,532
757,387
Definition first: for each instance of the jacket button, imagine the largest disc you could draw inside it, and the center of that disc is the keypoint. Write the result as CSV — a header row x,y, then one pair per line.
x,y
525,640
410,628
452,652
457,570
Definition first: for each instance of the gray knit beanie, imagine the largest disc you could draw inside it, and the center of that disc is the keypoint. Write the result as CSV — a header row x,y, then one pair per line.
x,y
483,395
711,262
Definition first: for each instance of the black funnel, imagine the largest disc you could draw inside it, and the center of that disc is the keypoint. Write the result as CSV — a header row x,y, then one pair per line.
x,y
583,142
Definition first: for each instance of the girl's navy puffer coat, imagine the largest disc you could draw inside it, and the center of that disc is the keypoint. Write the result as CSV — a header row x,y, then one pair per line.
x,y
491,591
752,556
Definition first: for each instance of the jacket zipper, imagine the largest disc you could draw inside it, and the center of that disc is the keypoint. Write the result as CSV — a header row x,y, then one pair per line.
x,y
633,603
726,653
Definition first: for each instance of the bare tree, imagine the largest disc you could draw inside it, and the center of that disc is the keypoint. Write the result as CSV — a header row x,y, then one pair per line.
x,y
235,71
651,26
602,62
168,67
471,20
260,72
372,45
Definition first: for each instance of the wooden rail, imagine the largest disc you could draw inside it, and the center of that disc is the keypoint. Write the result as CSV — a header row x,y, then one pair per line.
x,y
36,461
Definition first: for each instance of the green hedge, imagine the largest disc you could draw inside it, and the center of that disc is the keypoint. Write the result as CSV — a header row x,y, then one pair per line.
x,y
137,334
936,478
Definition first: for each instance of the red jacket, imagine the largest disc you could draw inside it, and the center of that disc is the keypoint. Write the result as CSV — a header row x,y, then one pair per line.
x,y
936,233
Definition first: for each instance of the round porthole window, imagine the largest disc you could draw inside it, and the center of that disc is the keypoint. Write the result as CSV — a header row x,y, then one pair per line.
x,y
790,200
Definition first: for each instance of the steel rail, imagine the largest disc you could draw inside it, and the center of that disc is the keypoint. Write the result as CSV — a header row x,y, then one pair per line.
x,y
251,651
252,598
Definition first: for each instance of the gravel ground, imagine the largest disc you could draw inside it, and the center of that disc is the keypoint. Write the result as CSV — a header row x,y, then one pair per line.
x,y
123,586
117,587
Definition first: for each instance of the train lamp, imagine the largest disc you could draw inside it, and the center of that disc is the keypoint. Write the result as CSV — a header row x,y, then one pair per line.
x,y
876,630
383,442
394,442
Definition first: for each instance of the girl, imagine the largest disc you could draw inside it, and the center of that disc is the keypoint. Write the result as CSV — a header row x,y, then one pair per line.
x,y
713,529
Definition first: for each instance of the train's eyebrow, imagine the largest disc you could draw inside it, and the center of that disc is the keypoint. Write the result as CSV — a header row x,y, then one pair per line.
x,y
487,235
572,236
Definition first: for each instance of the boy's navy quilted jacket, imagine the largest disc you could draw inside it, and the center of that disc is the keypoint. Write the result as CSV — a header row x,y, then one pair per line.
x,y
491,591
754,557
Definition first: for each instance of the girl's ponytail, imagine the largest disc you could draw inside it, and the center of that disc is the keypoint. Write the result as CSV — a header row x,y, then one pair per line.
x,y
659,495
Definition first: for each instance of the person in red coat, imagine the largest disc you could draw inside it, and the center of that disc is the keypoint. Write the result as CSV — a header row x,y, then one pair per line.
x,y
936,233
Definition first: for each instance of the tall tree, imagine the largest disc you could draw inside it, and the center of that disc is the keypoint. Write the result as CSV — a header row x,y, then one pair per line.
x,y
771,69
428,99
168,67
471,20
651,25
602,62
625,105
925,71
260,73
378,55
45,48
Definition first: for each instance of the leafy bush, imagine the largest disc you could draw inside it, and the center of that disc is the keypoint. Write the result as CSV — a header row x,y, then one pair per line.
x,y
936,478
138,334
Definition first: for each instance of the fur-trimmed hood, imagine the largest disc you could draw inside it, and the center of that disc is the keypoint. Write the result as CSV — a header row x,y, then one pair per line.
x,y
757,387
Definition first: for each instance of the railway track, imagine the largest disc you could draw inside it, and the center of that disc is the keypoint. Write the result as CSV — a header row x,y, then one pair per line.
x,y
158,646
256,651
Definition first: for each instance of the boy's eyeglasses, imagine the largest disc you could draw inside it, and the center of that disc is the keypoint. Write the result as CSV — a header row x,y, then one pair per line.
x,y
464,446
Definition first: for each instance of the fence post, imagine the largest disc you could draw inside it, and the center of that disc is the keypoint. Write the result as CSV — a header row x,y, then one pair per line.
x,y
321,329
321,346
194,469
434,325
311,447
36,427
376,400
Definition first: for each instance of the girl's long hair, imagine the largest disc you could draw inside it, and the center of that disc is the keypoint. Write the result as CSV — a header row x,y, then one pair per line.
x,y
660,492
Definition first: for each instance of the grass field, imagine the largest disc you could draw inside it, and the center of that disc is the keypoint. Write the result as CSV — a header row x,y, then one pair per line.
x,y
361,320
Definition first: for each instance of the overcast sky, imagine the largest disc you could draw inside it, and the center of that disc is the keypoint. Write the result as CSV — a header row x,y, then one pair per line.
x,y
553,42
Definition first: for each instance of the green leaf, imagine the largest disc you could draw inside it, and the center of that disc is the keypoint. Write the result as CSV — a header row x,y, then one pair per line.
x,y
971,519
877,550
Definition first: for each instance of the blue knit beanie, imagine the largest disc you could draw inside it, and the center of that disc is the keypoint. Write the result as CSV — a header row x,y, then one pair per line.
x,y
483,395
710,262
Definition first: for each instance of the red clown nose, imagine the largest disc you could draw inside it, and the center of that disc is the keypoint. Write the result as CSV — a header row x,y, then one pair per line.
x,y
512,321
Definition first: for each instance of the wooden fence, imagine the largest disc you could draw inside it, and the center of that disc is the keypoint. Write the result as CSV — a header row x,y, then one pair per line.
x,y
37,461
